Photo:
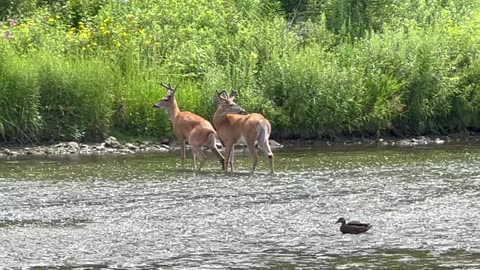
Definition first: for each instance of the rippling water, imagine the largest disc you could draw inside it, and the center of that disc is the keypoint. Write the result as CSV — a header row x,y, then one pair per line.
x,y
140,212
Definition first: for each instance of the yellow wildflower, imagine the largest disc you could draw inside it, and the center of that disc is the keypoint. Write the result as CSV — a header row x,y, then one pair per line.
x,y
51,20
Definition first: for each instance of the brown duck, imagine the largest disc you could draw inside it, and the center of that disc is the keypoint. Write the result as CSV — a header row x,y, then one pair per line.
x,y
353,227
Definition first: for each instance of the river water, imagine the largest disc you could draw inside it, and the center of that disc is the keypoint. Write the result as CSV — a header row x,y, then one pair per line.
x,y
142,212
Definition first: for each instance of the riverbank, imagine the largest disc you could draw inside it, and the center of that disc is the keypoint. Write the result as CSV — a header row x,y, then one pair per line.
x,y
112,146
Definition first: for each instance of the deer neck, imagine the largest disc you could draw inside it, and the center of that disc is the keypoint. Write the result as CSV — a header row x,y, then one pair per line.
x,y
173,110
219,117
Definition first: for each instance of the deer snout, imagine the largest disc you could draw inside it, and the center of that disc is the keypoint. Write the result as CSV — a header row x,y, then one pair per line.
x,y
157,105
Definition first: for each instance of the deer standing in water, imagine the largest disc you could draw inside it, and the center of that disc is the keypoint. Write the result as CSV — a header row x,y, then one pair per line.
x,y
190,127
234,126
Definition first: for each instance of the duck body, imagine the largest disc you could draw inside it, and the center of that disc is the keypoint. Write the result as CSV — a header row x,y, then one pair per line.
x,y
353,227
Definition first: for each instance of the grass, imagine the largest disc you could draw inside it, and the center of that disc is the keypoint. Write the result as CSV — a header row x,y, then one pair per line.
x,y
88,69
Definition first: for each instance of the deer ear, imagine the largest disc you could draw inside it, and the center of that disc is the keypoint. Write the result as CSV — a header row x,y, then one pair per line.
x,y
233,94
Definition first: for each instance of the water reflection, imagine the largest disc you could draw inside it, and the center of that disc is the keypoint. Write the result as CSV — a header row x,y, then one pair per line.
x,y
141,212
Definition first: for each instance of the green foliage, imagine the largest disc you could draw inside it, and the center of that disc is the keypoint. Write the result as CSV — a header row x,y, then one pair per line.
x,y
9,7
465,113
81,69
19,117
76,97
134,113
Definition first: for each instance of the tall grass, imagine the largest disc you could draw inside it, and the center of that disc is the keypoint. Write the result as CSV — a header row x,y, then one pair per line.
x,y
47,97
19,99
83,70
76,97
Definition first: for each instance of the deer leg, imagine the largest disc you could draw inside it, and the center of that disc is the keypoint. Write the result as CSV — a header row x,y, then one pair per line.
x,y
219,155
228,156
265,146
194,154
198,152
212,145
253,153
202,157
182,152
232,159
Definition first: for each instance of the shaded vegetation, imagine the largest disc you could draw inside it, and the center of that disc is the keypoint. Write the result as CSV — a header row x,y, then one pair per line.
x,y
79,70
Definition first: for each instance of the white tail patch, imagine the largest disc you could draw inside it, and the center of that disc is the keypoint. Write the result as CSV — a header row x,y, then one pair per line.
x,y
263,132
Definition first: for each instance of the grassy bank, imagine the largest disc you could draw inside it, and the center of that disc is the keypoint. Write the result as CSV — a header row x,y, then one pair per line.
x,y
79,70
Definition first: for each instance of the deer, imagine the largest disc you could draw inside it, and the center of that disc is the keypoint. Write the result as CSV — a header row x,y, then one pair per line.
x,y
191,128
234,126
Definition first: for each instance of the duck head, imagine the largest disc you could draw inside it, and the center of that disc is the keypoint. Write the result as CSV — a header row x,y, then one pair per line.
x,y
341,220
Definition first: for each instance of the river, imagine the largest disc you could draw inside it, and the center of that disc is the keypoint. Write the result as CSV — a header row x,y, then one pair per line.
x,y
142,212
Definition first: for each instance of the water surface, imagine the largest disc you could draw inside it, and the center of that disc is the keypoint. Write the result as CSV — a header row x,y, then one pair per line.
x,y
143,212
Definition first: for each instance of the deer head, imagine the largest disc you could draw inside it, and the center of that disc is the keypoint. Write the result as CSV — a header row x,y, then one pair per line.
x,y
166,101
227,102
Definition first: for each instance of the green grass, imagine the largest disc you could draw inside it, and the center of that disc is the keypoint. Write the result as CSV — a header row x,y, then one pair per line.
x,y
91,68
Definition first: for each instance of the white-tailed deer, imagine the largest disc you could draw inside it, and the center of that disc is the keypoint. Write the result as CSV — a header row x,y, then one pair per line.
x,y
190,127
235,126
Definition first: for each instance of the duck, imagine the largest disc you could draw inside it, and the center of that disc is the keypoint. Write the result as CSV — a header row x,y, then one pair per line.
x,y
353,227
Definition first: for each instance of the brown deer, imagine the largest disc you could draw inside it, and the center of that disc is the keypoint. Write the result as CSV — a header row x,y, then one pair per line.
x,y
234,126
190,127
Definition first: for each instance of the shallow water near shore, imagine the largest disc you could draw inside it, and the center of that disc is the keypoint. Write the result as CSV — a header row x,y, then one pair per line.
x,y
142,212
